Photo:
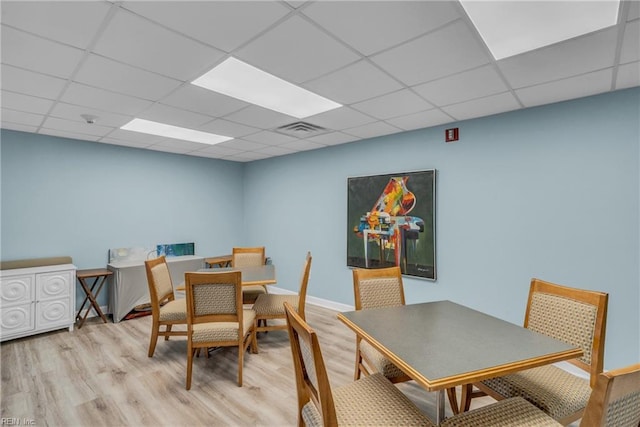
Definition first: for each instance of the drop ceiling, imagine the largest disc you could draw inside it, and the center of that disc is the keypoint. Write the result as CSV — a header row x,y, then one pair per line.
x,y
393,65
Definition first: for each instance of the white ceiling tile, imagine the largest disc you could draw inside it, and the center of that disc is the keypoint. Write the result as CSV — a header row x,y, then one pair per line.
x,y
21,117
372,130
247,156
302,145
464,86
173,116
200,100
573,87
169,149
572,57
353,83
107,74
634,10
20,102
177,143
260,117
69,22
241,144
216,23
135,137
394,104
438,54
19,127
68,134
74,112
631,45
132,144
296,51
340,118
79,128
37,54
373,26
222,149
228,128
30,83
103,100
269,138
333,138
493,104
275,150
136,41
628,75
421,120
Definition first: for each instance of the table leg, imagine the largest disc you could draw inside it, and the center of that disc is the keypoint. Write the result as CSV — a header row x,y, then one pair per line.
x,y
439,406
89,291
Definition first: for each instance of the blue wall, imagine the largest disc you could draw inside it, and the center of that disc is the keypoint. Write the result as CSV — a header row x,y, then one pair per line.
x,y
550,192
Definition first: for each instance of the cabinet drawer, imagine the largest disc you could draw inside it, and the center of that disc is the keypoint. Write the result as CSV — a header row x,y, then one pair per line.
x,y
16,319
17,290
53,313
53,285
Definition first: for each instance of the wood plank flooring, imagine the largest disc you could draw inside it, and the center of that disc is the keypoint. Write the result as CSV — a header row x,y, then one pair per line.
x,y
100,375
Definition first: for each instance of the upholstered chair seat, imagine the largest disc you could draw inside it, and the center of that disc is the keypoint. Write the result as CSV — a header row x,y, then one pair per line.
x,y
175,310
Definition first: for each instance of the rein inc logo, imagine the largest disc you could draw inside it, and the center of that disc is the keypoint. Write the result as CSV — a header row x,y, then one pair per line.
x,y
14,421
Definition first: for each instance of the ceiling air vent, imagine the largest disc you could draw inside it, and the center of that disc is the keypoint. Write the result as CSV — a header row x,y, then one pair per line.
x,y
301,130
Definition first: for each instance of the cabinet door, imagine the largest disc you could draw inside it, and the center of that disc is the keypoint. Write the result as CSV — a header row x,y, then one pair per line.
x,y
53,285
17,290
53,313
16,319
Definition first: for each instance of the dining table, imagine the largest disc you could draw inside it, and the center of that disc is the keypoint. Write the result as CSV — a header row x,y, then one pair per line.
x,y
250,275
443,344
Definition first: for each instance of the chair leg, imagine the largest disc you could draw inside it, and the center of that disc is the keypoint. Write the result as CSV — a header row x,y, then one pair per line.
x,y
254,341
154,339
166,337
467,395
241,349
190,352
453,400
356,375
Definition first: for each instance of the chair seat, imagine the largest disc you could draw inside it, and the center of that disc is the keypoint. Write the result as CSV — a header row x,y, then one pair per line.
x,y
554,390
505,413
380,363
251,293
273,305
370,401
222,331
173,311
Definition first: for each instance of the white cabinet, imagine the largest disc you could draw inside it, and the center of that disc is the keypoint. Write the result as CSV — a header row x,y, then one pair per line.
x,y
36,299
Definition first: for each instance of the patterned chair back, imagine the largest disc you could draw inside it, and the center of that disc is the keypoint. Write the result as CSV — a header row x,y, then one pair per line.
x,y
575,316
247,257
381,287
615,400
214,297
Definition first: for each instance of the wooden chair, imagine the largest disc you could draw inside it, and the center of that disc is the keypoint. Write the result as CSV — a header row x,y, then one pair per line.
x,y
373,288
372,400
216,317
271,306
242,257
575,316
614,402
165,309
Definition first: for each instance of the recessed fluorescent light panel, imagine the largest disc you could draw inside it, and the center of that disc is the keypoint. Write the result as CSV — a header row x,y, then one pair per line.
x,y
242,81
512,27
175,132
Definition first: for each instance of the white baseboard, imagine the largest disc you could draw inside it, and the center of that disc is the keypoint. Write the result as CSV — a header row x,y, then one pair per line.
x,y
332,305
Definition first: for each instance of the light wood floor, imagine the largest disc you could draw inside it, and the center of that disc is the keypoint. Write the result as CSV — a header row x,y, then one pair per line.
x,y
101,375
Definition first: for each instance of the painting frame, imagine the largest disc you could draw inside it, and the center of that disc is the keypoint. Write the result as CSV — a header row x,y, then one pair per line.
x,y
391,220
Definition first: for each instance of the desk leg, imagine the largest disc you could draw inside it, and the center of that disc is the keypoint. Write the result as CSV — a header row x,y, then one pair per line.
x,y
89,291
439,407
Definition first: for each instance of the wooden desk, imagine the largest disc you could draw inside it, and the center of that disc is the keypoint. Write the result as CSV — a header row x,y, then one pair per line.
x,y
91,291
443,344
254,275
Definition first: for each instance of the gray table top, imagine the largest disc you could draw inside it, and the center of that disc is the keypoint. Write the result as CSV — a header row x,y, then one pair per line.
x,y
442,344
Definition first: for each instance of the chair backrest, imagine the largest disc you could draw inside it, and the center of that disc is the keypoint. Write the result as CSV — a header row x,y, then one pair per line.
x,y
312,382
304,281
575,316
214,297
615,399
159,281
380,287
247,257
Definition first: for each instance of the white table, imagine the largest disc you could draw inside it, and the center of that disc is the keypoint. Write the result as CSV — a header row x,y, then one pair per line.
x,y
128,284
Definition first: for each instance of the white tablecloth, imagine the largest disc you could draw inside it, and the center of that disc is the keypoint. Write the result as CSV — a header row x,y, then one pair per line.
x,y
128,284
